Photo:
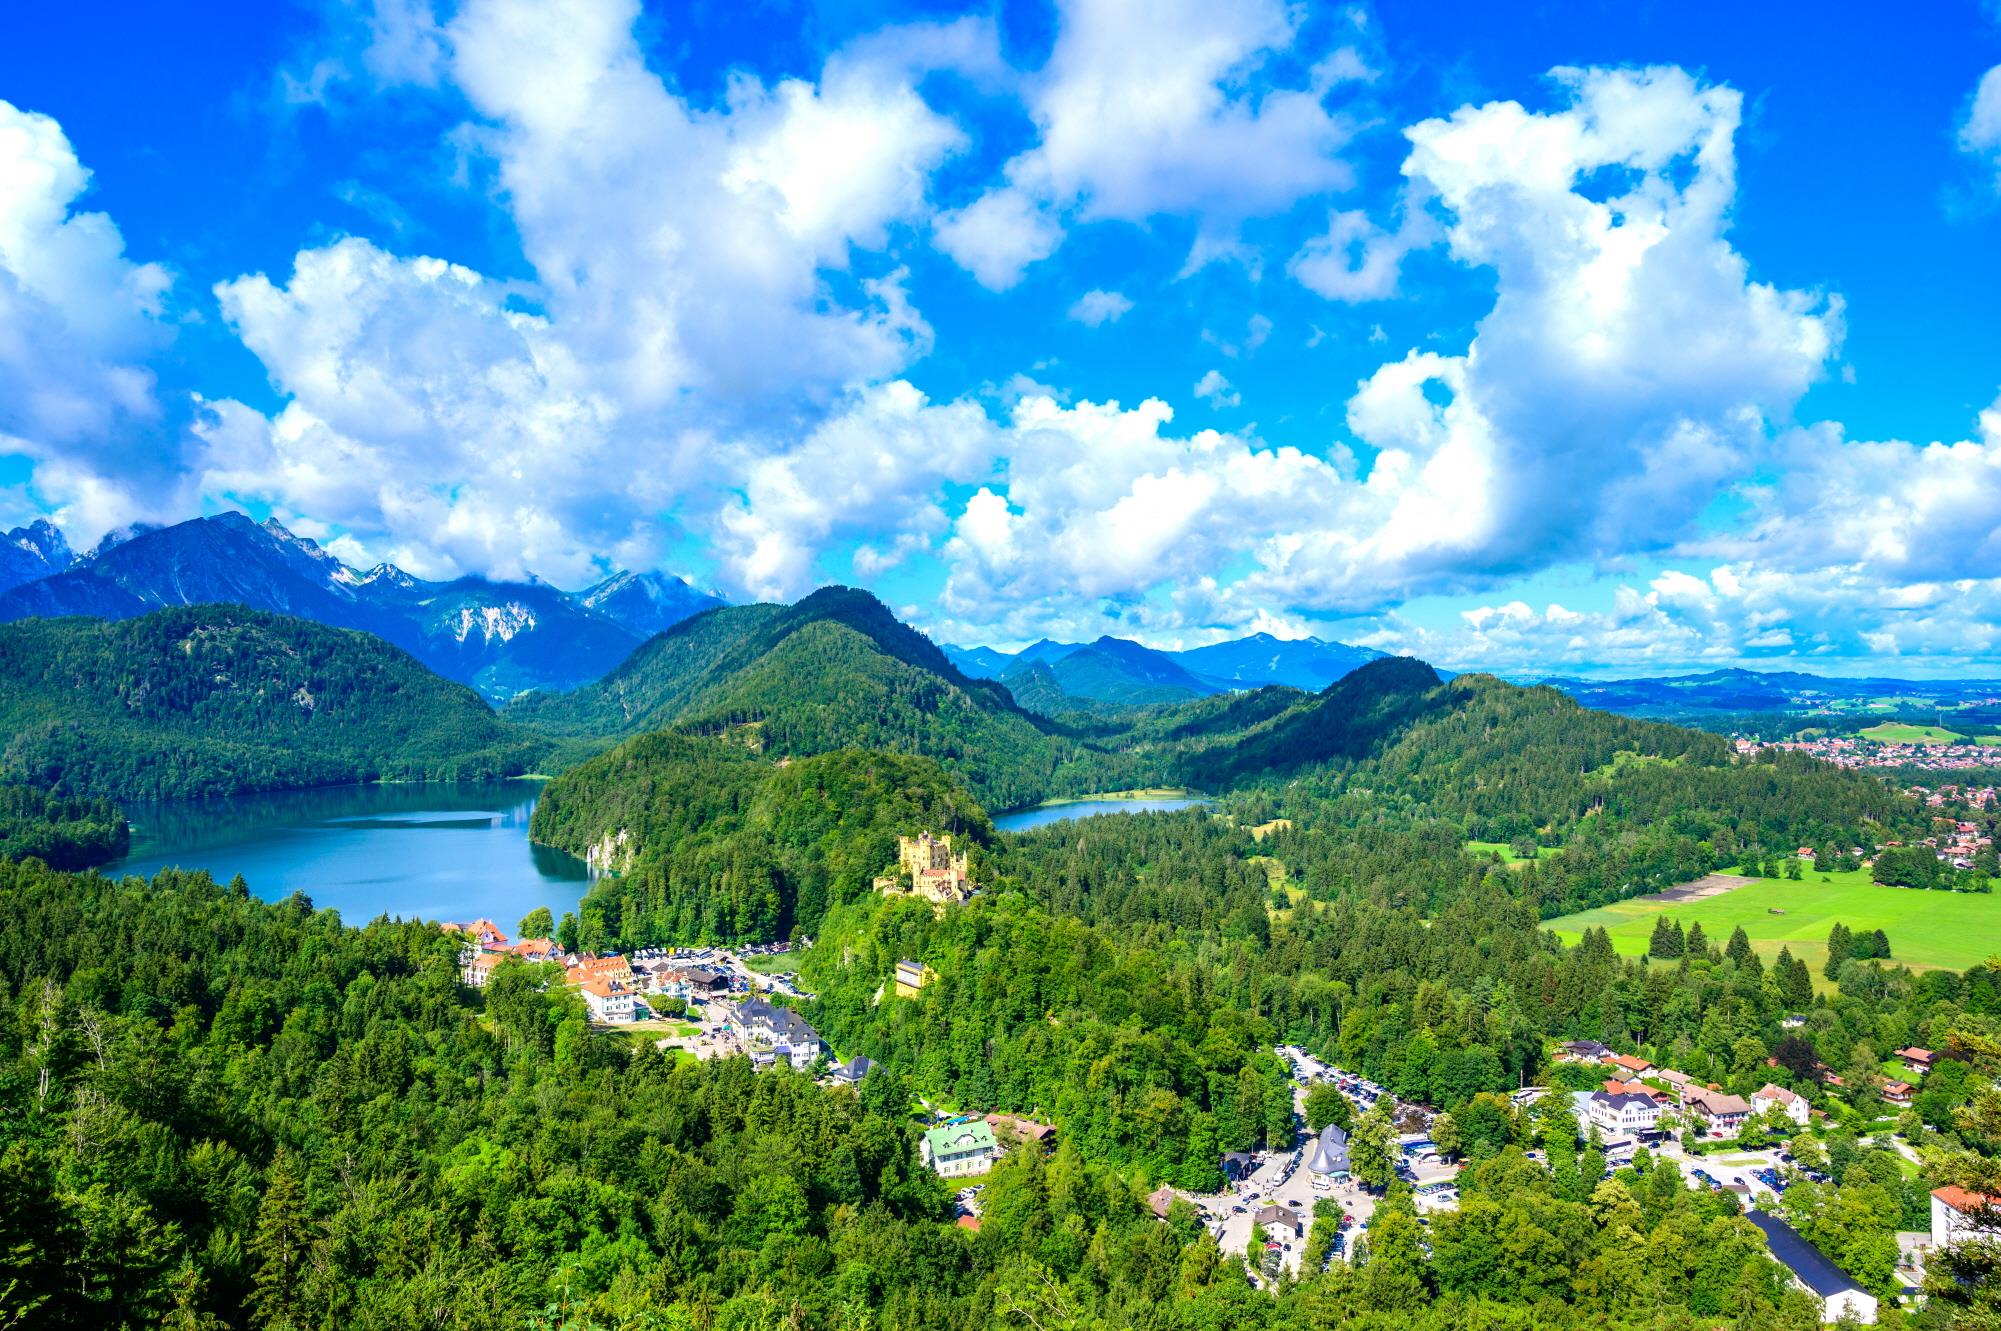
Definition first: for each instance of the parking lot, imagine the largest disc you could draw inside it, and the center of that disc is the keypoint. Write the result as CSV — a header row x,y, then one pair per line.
x,y
1762,1174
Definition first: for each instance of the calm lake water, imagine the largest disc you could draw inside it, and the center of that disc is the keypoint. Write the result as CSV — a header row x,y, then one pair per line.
x,y
1041,814
429,851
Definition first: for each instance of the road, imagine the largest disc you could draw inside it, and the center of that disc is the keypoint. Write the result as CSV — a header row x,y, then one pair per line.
x,y
1281,1177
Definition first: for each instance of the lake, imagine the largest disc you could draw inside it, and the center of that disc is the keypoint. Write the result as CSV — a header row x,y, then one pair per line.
x,y
1043,814
431,851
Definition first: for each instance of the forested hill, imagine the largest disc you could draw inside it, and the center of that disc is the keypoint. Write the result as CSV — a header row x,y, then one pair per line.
x,y
715,843
834,671
1632,805
214,700
62,833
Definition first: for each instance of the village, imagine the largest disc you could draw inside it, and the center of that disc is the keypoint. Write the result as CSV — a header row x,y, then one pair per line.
x,y
714,1002
1862,751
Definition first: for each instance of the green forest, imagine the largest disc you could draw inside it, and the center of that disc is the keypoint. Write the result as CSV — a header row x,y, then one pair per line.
x,y
62,833
714,843
220,700
217,1111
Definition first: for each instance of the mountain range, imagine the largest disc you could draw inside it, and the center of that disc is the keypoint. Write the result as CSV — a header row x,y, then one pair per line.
x,y
503,638
1050,677
1736,690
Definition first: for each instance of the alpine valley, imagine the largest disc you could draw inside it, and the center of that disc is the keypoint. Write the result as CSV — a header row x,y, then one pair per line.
x,y
1378,967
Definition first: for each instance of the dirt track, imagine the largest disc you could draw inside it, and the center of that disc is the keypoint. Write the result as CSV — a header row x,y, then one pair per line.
x,y
1709,885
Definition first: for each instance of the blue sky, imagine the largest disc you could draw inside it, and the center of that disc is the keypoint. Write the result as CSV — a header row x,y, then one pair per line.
x,y
1580,336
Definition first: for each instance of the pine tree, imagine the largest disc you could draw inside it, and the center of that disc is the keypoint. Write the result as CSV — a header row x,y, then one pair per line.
x,y
1697,947
1795,985
1369,1152
1739,948
278,1249
1665,943
1840,948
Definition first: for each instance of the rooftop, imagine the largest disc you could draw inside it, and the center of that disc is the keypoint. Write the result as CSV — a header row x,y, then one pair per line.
x,y
1959,1199
1804,1260
959,1138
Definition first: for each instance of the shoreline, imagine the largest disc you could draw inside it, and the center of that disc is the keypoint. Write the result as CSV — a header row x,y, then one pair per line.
x,y
1147,793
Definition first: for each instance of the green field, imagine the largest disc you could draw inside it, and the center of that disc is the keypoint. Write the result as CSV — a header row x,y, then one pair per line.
x,y
1950,929
1897,732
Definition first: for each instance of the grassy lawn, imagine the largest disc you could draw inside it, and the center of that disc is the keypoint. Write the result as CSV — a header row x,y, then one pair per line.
x,y
1897,732
1505,851
1950,929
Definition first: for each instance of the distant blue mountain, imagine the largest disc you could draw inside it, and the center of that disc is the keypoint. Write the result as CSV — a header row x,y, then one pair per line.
x,y
502,638
1304,663
647,603
1738,690
1121,670
1048,651
1115,670
977,662
37,550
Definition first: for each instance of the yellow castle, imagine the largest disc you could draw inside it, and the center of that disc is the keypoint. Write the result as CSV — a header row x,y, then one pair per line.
x,y
930,868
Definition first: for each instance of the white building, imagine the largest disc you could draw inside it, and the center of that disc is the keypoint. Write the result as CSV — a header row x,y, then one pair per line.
x,y
789,1036
608,1000
1768,1096
1959,1216
959,1149
1623,1115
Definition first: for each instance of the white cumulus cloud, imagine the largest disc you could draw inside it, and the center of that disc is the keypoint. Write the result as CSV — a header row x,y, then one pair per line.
x,y
1094,309
1980,132
709,282
1142,111
79,322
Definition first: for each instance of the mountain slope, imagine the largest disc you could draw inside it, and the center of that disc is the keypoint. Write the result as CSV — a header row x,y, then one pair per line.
x,y
1118,670
835,670
211,700
1348,720
503,638
645,603
37,550
508,638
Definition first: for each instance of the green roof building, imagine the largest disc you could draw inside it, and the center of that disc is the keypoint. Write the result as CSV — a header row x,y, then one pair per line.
x,y
958,1149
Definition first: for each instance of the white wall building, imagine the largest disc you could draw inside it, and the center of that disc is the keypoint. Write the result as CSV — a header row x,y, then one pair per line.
x,y
1959,1216
1768,1096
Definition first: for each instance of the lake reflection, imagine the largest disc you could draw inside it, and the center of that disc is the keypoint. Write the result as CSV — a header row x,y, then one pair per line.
x,y
432,851
1023,819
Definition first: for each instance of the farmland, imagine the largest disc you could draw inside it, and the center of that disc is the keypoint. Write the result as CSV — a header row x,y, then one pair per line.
x,y
1900,732
1926,929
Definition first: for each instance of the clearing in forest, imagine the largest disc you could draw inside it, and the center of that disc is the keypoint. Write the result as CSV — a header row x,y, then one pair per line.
x,y
1926,929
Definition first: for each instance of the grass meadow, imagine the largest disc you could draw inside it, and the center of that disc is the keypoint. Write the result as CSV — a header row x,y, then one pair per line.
x,y
1955,930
